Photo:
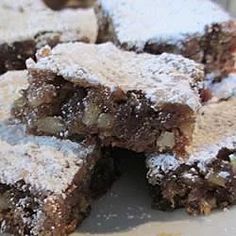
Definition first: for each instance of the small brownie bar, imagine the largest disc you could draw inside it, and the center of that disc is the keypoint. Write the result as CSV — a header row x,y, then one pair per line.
x,y
27,25
46,184
201,31
140,102
207,180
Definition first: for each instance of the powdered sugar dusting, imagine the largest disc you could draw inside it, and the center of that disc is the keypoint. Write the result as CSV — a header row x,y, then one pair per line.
x,y
10,85
43,163
159,166
30,18
166,78
160,21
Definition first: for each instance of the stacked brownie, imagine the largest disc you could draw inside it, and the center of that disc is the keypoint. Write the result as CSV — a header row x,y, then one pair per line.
x,y
46,184
27,25
200,31
78,100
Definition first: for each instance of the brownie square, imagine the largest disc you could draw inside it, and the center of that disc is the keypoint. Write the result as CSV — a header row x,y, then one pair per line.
x,y
46,184
140,102
200,31
207,179
27,25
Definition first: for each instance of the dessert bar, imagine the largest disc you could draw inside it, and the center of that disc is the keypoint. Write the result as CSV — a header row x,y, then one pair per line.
x,y
46,184
200,31
207,180
140,102
27,25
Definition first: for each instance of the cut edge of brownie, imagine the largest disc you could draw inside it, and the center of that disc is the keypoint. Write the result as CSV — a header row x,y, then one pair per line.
x,y
188,185
57,103
206,180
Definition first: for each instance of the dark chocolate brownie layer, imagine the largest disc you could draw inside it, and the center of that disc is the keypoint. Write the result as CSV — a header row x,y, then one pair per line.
x,y
140,102
28,25
208,179
203,32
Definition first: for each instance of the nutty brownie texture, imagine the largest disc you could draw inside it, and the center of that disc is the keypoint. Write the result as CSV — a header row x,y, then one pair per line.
x,y
27,25
141,102
46,184
203,32
207,180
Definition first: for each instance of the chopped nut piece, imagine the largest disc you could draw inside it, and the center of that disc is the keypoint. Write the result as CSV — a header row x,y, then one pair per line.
x,y
216,179
166,140
91,114
105,121
51,125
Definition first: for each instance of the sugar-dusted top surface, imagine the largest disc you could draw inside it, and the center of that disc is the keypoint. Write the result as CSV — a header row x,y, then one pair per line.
x,y
136,23
46,164
27,19
215,130
10,85
165,78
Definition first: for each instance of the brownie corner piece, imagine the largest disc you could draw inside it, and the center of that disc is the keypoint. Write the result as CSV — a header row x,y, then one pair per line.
x,y
201,32
28,25
141,102
206,180
44,183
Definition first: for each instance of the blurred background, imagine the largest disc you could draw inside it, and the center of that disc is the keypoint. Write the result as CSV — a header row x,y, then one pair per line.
x,y
230,5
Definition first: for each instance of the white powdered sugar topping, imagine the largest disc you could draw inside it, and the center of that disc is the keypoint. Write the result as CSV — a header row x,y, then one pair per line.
x,y
10,85
166,78
46,164
160,165
32,20
162,21
43,163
